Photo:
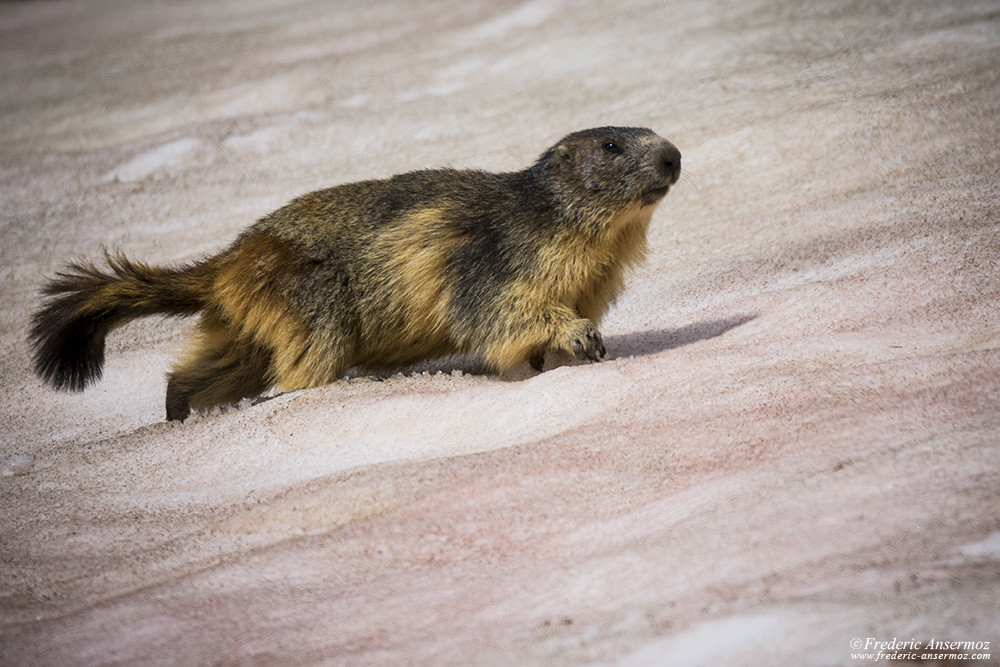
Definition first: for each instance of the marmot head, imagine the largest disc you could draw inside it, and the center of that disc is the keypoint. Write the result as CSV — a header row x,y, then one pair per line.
x,y
611,168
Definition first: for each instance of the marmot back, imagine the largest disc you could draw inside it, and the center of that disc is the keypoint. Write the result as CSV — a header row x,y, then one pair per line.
x,y
385,273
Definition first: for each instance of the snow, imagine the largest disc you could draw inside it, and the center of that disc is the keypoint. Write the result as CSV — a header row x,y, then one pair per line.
x,y
17,464
987,548
725,641
528,15
156,160
792,442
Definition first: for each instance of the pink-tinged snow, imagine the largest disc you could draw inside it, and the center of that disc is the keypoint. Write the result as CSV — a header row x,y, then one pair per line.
x,y
795,441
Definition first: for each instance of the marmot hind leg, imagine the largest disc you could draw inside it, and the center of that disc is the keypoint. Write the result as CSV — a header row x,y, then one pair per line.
x,y
218,371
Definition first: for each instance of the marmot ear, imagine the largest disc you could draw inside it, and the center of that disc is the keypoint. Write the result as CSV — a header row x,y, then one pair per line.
x,y
561,159
562,153
558,159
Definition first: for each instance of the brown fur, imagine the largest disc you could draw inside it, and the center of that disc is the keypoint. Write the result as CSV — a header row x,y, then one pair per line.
x,y
386,273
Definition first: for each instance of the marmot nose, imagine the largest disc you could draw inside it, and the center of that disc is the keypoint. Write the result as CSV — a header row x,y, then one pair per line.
x,y
668,161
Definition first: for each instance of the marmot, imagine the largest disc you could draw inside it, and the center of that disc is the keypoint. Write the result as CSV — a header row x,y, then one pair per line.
x,y
384,273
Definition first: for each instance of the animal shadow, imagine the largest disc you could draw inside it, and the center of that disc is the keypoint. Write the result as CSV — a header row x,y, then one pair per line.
x,y
642,343
638,344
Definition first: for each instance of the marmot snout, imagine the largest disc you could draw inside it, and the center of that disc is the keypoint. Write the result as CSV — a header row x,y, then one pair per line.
x,y
384,273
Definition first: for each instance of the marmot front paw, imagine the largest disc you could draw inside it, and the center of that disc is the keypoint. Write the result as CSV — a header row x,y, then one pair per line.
x,y
583,341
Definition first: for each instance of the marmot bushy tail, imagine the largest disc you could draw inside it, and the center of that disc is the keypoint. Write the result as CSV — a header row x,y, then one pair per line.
x,y
385,273
88,302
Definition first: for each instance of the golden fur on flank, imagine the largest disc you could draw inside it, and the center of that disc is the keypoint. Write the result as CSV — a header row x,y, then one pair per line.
x,y
384,273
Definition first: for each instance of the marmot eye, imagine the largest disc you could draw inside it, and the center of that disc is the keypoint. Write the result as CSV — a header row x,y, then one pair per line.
x,y
612,148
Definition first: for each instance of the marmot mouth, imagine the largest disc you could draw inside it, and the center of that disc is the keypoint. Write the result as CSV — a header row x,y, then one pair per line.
x,y
655,194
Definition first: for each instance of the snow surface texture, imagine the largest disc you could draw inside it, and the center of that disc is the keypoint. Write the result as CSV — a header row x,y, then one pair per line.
x,y
793,443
